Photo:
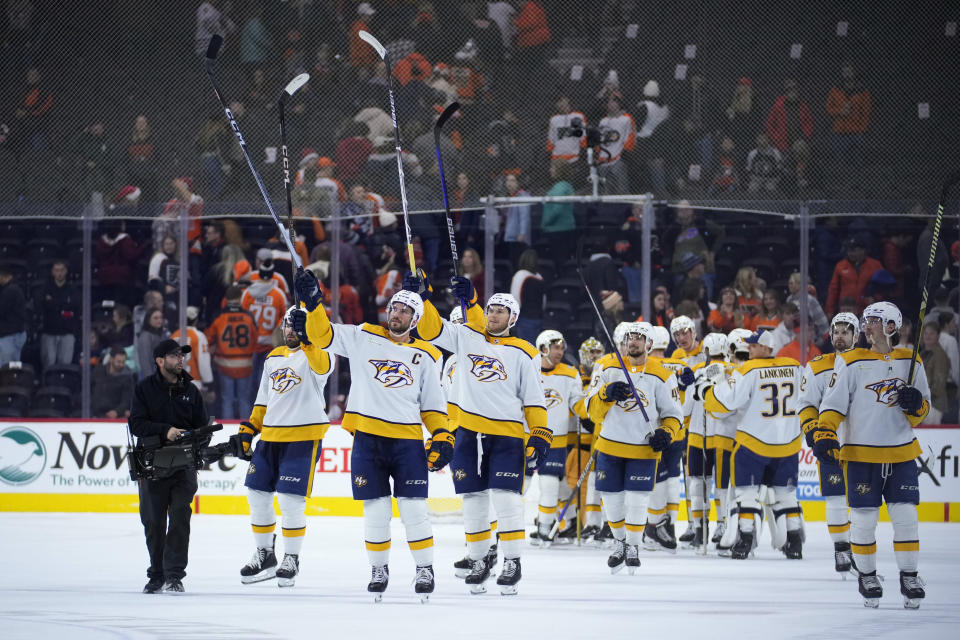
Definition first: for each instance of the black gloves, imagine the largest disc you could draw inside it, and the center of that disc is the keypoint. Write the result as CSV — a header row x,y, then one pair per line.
x,y
462,288
660,439
298,322
910,400
687,378
616,392
307,286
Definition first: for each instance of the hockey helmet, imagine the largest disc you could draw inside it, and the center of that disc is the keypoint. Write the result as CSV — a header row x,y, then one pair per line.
x,y
456,315
682,323
410,299
620,333
715,344
586,347
546,338
508,301
737,338
845,317
646,330
887,312
288,318
661,337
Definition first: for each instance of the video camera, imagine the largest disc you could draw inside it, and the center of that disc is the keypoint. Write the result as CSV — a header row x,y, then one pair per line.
x,y
596,137
153,459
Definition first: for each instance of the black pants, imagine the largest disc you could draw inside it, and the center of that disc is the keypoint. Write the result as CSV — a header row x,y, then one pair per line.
x,y
167,545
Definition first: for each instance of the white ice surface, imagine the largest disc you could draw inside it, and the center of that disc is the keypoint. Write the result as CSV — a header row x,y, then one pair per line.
x,y
79,576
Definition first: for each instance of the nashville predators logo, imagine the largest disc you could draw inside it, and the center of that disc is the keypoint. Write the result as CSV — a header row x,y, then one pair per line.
x,y
863,488
284,379
834,478
459,474
487,368
601,475
251,469
887,390
630,404
392,373
553,398
360,481
450,373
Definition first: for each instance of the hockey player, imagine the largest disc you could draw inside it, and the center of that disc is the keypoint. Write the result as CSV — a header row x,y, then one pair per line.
x,y
870,399
844,331
628,445
497,389
394,392
290,417
659,532
564,399
594,525
590,351
767,443
689,349
701,454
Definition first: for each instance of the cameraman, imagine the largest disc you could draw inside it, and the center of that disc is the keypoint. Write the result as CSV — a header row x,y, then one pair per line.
x,y
164,406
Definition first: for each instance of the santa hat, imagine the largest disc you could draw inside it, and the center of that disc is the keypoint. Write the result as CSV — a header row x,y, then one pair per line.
x,y
307,156
127,194
651,89
188,181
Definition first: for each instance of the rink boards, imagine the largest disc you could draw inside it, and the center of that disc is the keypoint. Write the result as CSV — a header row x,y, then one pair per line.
x,y
81,466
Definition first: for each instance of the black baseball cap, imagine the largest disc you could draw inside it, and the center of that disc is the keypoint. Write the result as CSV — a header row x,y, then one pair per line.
x,y
170,347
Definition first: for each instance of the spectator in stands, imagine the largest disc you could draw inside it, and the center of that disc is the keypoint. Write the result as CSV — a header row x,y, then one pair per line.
x,y
893,257
532,41
851,275
268,305
603,275
749,293
116,255
692,289
740,121
619,131
472,267
165,266
727,316
700,237
221,277
789,118
232,339
662,311
699,113
197,363
528,288
212,142
254,38
212,19
557,223
940,303
33,115
152,333
516,219
764,167
849,106
121,331
562,141
95,158
948,329
691,267
362,55
849,305
469,232
941,260
819,318
112,387
13,317
936,365
725,177
653,135
141,167
59,305
792,348
168,222
770,314
152,299
785,331
353,150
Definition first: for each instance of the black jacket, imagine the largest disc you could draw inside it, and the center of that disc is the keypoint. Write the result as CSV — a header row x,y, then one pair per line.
x,y
13,310
60,308
158,405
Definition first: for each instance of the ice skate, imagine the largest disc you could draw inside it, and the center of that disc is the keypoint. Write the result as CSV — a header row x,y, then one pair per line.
x,y
793,548
423,584
911,587
289,568
842,558
479,573
262,566
379,577
870,589
633,559
509,577
658,538
604,536
718,533
744,546
491,558
687,536
618,557
461,568
589,532
698,536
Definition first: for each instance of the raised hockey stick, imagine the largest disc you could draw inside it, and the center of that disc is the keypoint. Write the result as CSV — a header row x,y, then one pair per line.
x,y
292,87
382,52
705,513
583,474
210,66
451,109
928,270
616,351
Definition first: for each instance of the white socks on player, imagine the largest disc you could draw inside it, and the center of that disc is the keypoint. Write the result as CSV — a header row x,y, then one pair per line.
x,y
416,521
838,518
594,516
863,540
749,500
508,506
476,523
697,502
635,503
657,505
294,518
906,534
614,507
262,517
376,529
673,497
549,496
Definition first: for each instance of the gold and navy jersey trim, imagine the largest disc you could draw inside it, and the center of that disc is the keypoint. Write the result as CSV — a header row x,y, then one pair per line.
x,y
861,355
853,452
766,449
420,345
766,363
483,424
560,370
823,363
353,420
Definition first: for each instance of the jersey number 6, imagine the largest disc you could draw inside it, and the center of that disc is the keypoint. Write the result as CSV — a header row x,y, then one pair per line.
x,y
779,395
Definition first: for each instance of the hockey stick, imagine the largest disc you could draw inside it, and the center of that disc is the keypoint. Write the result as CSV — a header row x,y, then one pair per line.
x,y
210,66
452,108
616,351
928,270
705,513
583,474
292,87
382,52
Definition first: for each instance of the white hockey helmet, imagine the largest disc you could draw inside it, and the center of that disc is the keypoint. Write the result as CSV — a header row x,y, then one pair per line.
x,y
508,301
620,333
715,345
682,323
737,338
456,315
646,330
845,317
887,312
410,299
548,337
661,337
288,318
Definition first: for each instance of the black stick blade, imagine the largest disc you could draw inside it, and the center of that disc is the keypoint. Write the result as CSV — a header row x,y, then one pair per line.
x,y
213,49
451,109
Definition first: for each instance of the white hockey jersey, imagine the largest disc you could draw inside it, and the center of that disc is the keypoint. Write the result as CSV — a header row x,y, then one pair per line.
x,y
624,125
813,384
564,398
717,429
863,391
446,383
394,388
623,431
696,355
567,147
766,388
290,405
498,387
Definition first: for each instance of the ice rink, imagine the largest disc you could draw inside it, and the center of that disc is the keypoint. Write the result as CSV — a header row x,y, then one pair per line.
x,y
79,576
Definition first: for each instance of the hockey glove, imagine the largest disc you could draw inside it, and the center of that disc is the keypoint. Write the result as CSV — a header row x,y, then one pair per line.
x,y
586,425
825,445
418,283
307,286
686,378
537,446
615,392
700,389
440,452
243,441
808,430
298,321
462,288
910,400
660,439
